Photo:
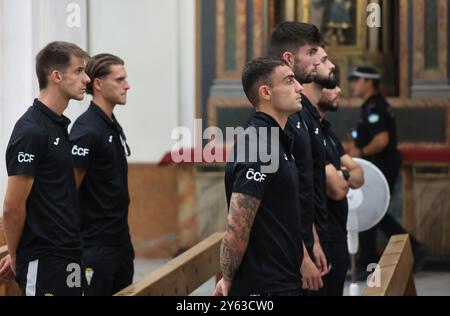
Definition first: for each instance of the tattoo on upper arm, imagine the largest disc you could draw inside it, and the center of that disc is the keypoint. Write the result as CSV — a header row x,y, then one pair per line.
x,y
243,210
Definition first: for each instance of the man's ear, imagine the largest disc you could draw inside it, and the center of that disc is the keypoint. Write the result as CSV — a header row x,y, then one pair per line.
x,y
55,76
97,84
264,93
289,58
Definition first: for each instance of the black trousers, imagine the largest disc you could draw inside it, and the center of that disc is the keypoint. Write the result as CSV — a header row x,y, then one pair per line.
x,y
50,276
108,269
338,257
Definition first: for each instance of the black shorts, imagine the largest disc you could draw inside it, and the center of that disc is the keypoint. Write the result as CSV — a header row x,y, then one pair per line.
x,y
50,276
108,269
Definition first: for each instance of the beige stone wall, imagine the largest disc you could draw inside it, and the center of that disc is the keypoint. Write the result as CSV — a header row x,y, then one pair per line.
x,y
173,208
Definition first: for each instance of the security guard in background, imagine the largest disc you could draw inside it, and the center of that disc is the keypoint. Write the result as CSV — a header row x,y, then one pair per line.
x,y
376,141
99,152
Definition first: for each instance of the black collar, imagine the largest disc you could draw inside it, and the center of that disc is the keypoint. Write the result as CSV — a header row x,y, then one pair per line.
x,y
308,106
372,98
266,118
326,124
285,138
59,119
113,123
97,110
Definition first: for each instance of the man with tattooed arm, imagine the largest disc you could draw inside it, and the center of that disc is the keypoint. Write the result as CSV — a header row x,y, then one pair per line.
x,y
262,252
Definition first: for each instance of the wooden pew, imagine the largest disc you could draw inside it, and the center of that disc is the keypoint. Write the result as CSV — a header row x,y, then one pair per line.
x,y
396,267
9,289
183,274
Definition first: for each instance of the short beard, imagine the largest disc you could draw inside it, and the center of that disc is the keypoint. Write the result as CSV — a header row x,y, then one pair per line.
x,y
303,78
326,106
326,82
300,75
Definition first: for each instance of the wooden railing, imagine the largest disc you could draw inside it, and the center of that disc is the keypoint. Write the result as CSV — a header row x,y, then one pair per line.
x,y
182,275
188,271
396,270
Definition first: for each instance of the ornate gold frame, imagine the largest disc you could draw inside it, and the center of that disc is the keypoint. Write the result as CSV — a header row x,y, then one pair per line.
x,y
361,29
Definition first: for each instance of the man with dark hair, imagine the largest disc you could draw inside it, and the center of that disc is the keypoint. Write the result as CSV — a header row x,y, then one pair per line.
x,y
262,249
376,141
99,152
342,173
325,226
298,43
40,215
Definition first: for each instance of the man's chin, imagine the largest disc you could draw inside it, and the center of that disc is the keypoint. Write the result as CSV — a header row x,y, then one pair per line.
x,y
79,97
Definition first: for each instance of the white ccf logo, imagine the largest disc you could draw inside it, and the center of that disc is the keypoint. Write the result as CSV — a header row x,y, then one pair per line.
x,y
78,151
24,157
256,176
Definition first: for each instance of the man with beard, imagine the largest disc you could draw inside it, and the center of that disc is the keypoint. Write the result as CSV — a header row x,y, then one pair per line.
x,y
342,173
297,43
312,118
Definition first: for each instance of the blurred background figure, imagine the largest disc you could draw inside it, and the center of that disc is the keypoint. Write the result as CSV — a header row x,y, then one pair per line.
x,y
375,139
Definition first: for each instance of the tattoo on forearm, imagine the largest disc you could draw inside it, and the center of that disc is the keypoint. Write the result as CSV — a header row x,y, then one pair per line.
x,y
242,213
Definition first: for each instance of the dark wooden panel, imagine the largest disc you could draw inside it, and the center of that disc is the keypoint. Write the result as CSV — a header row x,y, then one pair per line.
x,y
233,117
413,124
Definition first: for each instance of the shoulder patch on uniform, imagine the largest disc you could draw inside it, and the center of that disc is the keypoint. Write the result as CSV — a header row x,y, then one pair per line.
x,y
374,118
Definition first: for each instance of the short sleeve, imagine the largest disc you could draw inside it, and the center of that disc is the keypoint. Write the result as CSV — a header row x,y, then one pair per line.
x,y
377,121
82,143
249,179
252,176
26,149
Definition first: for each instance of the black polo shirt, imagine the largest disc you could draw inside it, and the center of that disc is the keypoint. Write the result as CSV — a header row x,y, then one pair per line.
x,y
39,147
337,210
312,119
97,147
304,161
274,253
377,117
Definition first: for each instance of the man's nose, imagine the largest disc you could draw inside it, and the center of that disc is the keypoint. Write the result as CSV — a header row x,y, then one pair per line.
x,y
86,78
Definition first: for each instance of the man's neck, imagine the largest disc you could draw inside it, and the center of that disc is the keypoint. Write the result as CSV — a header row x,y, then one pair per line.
x,y
313,92
54,100
104,105
280,118
321,113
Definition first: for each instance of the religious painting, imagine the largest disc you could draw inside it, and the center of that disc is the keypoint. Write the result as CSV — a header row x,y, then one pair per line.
x,y
338,20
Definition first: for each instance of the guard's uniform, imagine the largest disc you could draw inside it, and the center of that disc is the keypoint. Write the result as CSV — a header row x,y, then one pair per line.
x,y
98,147
271,263
377,117
336,239
49,251
303,160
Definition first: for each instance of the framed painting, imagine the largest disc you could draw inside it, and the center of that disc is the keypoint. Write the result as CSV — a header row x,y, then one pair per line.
x,y
340,21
